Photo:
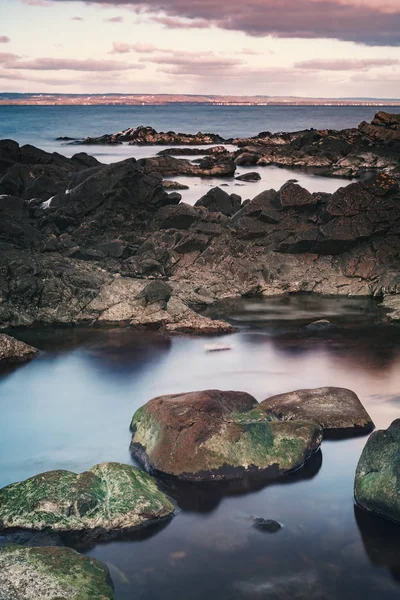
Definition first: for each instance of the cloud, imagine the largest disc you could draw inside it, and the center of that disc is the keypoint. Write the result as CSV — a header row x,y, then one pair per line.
x,y
120,48
114,20
364,64
12,61
77,19
4,39
371,22
177,23
191,63
124,48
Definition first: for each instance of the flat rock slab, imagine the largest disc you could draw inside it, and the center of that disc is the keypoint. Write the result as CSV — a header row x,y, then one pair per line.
x,y
217,435
14,351
377,481
108,499
332,408
52,574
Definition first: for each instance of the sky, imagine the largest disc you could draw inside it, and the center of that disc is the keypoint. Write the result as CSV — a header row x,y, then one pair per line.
x,y
309,48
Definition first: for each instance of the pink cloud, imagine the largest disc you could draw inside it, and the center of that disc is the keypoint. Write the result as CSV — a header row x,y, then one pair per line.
x,y
347,64
114,20
4,39
372,22
12,61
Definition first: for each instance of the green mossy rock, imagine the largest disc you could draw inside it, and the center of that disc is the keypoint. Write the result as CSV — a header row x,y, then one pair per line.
x,y
377,482
52,574
212,435
110,497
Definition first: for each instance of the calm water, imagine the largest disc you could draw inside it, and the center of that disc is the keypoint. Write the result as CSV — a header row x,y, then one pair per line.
x,y
72,407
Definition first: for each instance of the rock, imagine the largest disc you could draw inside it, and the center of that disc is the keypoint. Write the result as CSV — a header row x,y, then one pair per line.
x,y
214,435
174,185
321,325
266,525
253,176
193,151
156,291
108,499
52,574
332,408
377,481
292,194
217,200
14,351
180,216
143,136
168,166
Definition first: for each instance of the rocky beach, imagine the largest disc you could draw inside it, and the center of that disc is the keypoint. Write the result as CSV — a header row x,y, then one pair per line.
x,y
112,252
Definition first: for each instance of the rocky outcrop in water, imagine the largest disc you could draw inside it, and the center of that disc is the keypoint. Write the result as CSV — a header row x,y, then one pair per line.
x,y
346,153
107,500
214,435
334,409
52,574
85,253
169,166
14,351
377,482
145,136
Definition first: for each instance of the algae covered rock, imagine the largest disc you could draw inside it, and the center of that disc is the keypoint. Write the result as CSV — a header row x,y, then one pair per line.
x,y
52,574
14,351
215,435
332,408
377,482
108,499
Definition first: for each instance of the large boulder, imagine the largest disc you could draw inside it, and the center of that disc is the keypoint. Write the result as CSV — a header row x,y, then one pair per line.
x,y
52,573
332,408
377,482
109,498
217,435
14,351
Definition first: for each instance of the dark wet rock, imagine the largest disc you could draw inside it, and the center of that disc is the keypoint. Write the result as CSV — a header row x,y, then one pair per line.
x,y
193,151
181,216
168,166
321,325
332,408
174,185
346,153
293,195
214,435
217,200
377,481
144,136
14,351
52,574
253,176
61,501
266,525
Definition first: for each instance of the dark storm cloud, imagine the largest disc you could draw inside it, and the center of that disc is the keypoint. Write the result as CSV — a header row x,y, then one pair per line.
x,y
371,22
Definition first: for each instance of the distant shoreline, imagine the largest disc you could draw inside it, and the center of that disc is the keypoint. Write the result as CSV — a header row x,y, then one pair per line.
x,y
10,99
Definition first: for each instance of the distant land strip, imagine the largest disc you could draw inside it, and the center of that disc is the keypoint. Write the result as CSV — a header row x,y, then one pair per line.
x,y
12,99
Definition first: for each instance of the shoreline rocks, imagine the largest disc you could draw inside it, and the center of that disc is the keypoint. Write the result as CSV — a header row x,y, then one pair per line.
x,y
50,573
377,480
104,501
144,136
334,409
214,435
13,351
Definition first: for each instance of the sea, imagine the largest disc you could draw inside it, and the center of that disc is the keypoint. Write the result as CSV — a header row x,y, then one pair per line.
x,y
71,408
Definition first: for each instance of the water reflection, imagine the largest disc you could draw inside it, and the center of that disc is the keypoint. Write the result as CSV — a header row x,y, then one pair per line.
x,y
72,408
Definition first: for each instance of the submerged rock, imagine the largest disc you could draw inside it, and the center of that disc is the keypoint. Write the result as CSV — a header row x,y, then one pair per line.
x,y
332,408
253,176
216,435
14,351
377,481
52,574
267,525
110,498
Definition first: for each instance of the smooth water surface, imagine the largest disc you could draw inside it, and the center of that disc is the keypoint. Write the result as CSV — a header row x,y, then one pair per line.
x,y
72,407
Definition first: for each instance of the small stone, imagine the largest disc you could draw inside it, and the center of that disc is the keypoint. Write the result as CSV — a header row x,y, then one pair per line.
x,y
266,525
